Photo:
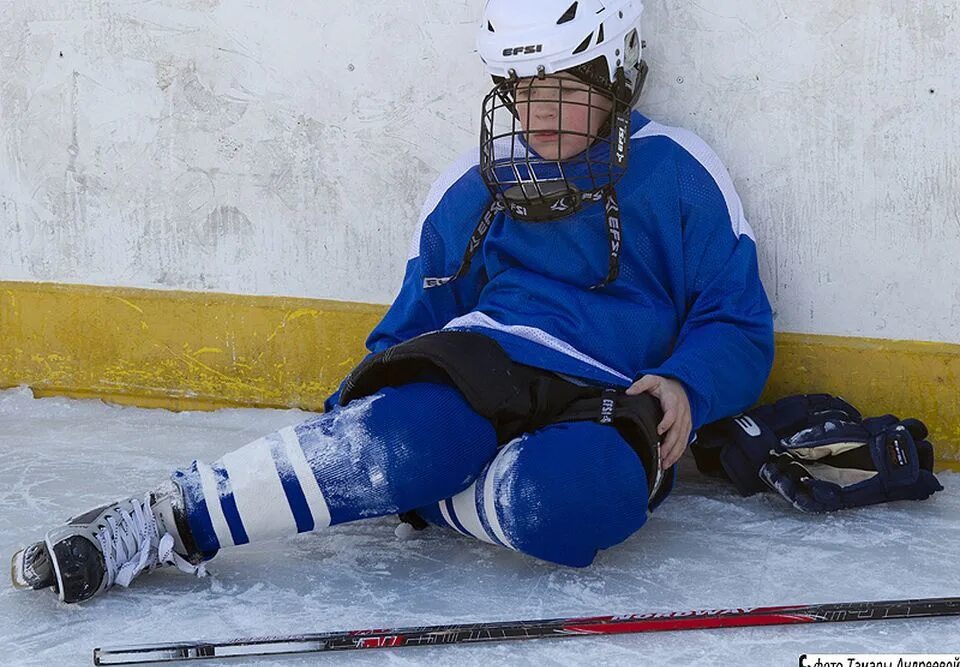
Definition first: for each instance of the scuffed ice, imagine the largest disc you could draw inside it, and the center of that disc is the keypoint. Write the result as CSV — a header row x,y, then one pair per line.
x,y
705,548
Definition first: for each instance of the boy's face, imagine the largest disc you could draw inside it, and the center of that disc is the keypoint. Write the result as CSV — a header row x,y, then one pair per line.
x,y
560,114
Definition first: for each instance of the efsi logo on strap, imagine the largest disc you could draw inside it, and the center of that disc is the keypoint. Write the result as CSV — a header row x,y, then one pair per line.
x,y
748,425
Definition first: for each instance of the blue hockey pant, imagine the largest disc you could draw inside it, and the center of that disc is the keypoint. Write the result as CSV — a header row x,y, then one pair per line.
x,y
560,493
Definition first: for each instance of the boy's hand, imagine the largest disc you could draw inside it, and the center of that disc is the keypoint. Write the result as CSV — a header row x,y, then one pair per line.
x,y
675,428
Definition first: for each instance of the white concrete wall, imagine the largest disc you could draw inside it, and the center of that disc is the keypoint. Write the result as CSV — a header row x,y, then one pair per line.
x,y
283,146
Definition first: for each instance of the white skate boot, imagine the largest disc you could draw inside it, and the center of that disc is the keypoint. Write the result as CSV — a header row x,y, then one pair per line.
x,y
109,545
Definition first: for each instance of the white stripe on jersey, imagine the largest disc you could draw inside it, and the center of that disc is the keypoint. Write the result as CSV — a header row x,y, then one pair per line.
x,y
479,319
444,182
705,155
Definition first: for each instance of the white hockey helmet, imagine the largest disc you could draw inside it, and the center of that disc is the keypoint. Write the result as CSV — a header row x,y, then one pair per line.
x,y
534,37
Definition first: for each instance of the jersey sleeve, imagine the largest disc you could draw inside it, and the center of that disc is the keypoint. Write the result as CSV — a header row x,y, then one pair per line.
x,y
724,350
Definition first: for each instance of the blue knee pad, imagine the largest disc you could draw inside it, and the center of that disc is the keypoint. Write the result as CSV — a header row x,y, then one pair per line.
x,y
560,494
417,442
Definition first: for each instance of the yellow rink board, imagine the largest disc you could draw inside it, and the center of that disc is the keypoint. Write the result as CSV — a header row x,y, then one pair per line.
x,y
200,350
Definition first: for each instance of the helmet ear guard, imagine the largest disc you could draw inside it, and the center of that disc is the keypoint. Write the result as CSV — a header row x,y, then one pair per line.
x,y
642,70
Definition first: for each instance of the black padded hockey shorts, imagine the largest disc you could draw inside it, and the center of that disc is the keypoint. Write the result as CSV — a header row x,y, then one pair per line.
x,y
515,398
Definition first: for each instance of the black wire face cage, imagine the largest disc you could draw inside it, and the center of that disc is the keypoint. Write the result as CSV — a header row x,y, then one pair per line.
x,y
551,144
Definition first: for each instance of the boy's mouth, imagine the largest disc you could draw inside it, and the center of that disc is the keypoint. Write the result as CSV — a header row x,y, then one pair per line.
x,y
545,135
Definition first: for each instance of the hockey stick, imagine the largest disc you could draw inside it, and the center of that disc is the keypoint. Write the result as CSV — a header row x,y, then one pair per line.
x,y
539,629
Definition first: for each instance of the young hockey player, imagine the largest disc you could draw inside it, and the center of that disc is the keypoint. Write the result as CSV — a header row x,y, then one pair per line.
x,y
582,294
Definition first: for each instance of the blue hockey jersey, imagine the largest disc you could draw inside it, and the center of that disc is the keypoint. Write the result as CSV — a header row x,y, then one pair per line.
x,y
688,302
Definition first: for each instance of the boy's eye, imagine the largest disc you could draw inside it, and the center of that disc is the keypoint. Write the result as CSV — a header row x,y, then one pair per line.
x,y
552,90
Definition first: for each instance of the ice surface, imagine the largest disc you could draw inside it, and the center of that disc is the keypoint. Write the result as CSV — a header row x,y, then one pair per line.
x,y
704,548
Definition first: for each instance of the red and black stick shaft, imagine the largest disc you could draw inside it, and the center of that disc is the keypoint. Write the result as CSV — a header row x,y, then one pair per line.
x,y
474,633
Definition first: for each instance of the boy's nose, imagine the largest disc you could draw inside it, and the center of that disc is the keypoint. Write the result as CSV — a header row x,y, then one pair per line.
x,y
544,110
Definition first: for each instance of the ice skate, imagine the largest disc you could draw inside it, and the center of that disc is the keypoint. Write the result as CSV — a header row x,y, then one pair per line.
x,y
106,546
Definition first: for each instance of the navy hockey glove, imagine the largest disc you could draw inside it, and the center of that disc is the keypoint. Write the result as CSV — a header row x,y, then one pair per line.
x,y
817,452
736,448
834,467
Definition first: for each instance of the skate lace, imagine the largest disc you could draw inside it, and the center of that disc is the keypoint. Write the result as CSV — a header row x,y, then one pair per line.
x,y
131,543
